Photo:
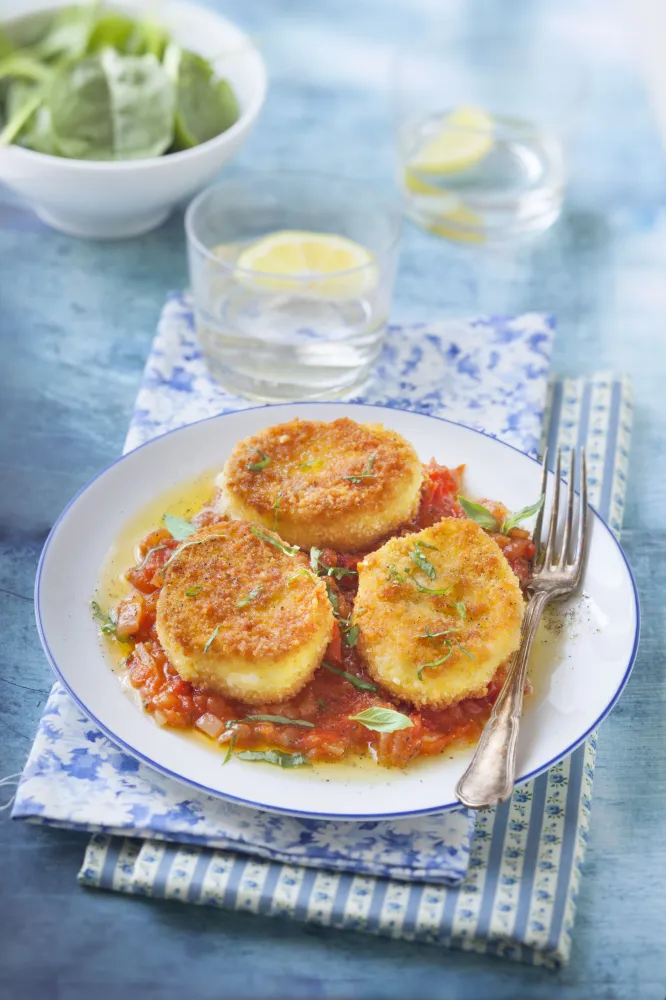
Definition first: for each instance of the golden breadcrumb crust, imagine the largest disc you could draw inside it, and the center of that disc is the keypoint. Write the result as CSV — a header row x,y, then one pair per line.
x,y
273,622
337,484
480,613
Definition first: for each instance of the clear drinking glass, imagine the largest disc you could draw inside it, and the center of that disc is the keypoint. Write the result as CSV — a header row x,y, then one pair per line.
x,y
482,125
293,332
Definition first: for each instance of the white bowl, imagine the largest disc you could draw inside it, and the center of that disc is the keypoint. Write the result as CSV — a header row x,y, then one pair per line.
x,y
110,200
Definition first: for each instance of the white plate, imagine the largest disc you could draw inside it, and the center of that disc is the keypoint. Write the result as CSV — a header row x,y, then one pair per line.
x,y
578,679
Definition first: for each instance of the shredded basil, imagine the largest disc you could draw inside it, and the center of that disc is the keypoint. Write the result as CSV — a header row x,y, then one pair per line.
x,y
289,550
244,601
281,719
211,637
434,663
429,590
393,575
420,559
155,548
230,748
358,682
333,597
193,591
264,460
350,637
278,757
367,472
276,508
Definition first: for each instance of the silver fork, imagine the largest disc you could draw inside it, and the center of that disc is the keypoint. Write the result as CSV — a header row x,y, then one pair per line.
x,y
490,777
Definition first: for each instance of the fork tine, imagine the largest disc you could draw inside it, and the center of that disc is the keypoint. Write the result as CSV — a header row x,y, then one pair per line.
x,y
571,496
552,529
536,534
583,519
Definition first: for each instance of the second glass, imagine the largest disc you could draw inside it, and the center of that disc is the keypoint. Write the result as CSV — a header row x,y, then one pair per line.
x,y
292,276
482,125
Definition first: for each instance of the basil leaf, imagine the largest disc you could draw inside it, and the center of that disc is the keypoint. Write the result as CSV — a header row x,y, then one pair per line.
x,y
350,637
461,609
480,514
178,527
322,703
278,757
466,652
511,520
193,591
358,682
211,637
314,559
249,597
383,720
205,106
419,558
282,719
289,550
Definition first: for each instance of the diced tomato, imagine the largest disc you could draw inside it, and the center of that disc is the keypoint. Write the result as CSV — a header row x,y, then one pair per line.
x,y
439,497
142,575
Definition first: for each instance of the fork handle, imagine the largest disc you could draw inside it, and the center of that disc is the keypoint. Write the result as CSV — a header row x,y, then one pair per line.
x,y
491,774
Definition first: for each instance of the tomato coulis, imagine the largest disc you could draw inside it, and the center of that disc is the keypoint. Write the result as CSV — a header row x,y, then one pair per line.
x,y
339,689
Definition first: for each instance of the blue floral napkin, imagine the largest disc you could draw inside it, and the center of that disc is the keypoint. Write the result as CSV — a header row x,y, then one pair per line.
x,y
490,373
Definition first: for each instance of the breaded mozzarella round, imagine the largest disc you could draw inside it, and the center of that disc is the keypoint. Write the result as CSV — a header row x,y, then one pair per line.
x,y
238,616
338,484
439,611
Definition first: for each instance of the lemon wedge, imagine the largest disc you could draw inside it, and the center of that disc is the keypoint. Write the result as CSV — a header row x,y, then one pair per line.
x,y
308,259
465,138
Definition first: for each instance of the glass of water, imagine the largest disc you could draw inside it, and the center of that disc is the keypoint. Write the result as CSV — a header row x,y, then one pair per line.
x,y
292,276
482,125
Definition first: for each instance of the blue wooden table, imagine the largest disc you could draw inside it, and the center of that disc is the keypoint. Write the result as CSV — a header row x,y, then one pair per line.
x,y
75,325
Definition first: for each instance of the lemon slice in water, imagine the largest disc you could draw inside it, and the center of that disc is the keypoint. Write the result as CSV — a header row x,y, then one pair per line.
x,y
452,218
307,259
465,138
